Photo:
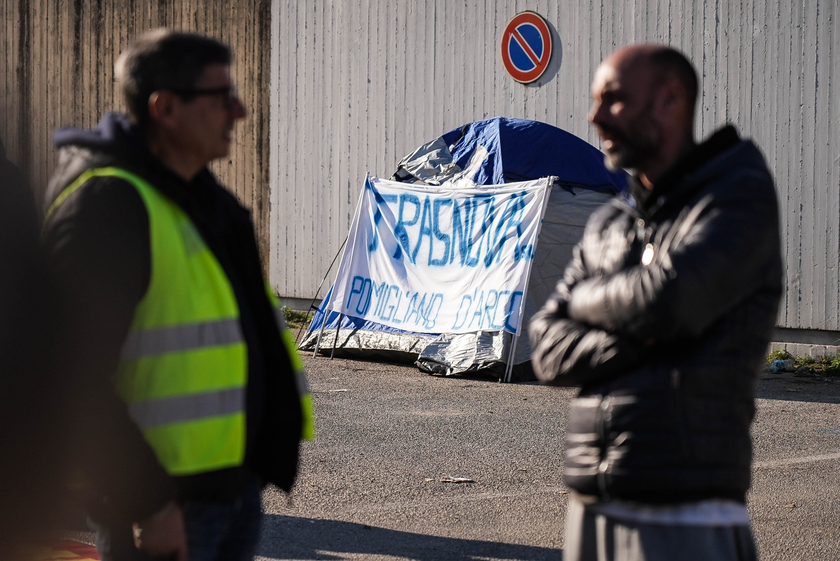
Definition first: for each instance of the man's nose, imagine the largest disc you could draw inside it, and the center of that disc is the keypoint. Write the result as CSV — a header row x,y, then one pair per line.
x,y
237,108
596,113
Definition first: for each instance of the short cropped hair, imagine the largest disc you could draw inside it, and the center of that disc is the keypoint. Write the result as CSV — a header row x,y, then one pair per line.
x,y
668,60
164,59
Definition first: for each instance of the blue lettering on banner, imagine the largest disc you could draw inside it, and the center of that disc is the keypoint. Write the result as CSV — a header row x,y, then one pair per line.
x,y
421,308
379,292
512,305
511,219
412,309
524,252
442,230
387,311
355,288
364,303
439,235
460,230
399,230
487,309
381,200
477,312
397,306
489,215
425,230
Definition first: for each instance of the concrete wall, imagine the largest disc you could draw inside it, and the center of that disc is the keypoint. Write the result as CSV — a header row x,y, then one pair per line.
x,y
337,88
357,84
56,69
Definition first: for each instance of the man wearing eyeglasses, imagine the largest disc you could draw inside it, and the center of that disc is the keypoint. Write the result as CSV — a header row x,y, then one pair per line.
x,y
193,386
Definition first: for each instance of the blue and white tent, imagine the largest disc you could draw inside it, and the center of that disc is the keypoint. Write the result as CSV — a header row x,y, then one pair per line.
x,y
489,152
502,150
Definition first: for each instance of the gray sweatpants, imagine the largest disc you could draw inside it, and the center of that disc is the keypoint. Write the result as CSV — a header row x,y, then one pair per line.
x,y
593,536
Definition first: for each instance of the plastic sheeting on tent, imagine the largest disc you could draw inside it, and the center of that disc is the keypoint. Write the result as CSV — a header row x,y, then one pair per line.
x,y
489,152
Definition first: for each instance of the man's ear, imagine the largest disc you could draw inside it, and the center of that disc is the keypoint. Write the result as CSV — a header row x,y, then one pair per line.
x,y
163,107
673,98
670,95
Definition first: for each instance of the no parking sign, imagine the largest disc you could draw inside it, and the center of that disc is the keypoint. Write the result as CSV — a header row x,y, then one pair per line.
x,y
526,47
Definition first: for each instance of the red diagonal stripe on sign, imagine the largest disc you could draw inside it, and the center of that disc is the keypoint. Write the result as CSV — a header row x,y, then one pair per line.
x,y
526,47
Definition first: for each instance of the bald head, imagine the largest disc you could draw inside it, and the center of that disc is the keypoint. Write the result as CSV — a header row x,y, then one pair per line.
x,y
661,63
644,97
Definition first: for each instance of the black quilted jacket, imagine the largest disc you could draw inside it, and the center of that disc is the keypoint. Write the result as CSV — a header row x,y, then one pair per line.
x,y
662,319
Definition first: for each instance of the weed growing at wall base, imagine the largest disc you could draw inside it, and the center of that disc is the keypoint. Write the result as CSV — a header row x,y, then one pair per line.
x,y
296,318
828,365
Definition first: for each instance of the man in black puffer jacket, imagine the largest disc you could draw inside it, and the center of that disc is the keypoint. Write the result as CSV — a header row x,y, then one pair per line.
x,y
663,318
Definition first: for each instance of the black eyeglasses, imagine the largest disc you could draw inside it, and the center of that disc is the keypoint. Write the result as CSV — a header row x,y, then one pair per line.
x,y
228,93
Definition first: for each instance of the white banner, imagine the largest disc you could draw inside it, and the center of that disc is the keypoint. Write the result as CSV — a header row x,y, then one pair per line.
x,y
441,259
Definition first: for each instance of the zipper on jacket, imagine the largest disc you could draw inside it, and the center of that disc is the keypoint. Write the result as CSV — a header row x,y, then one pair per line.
x,y
604,416
641,231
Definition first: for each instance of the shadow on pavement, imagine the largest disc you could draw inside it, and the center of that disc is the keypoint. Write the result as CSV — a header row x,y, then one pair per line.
x,y
288,537
789,386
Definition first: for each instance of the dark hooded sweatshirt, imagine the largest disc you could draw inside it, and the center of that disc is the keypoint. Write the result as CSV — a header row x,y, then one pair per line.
x,y
35,399
98,240
16,201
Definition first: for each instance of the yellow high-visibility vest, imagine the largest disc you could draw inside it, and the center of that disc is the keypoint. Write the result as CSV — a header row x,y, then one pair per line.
x,y
184,365
308,410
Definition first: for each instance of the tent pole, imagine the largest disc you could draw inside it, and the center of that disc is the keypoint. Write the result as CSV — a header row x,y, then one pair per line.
x,y
320,334
509,369
317,292
335,339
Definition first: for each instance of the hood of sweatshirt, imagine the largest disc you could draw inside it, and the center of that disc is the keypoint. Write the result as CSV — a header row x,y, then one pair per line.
x,y
114,135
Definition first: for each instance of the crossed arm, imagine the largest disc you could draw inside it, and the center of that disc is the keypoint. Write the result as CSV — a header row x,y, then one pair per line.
x,y
711,258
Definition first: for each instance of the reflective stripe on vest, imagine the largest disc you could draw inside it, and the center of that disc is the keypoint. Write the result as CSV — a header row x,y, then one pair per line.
x,y
183,369
157,412
181,338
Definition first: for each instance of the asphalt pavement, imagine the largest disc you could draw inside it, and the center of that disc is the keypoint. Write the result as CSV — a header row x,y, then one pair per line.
x,y
412,466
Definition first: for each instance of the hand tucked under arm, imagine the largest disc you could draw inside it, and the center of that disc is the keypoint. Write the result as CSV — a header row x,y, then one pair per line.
x,y
565,352
702,268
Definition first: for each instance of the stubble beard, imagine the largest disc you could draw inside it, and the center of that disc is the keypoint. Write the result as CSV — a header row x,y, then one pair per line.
x,y
639,142
632,154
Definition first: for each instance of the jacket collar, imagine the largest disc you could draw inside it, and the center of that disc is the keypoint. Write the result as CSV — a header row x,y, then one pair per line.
x,y
674,181
116,141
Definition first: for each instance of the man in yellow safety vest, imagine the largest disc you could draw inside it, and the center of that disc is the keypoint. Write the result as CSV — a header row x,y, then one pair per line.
x,y
200,396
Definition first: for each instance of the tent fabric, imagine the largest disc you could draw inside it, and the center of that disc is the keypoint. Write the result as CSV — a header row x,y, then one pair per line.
x,y
493,151
358,337
565,218
513,150
460,353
